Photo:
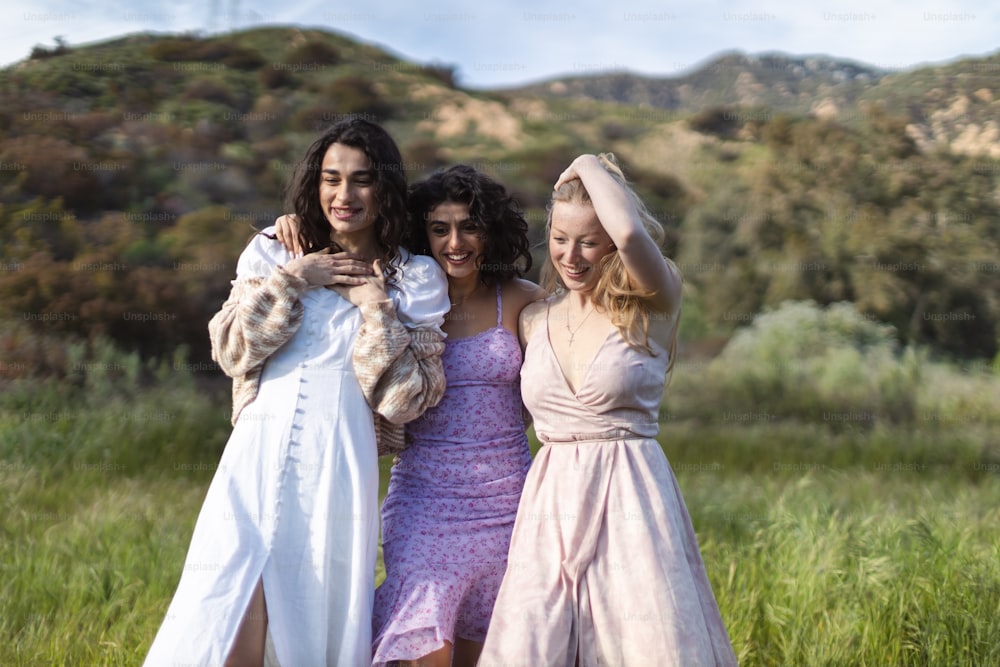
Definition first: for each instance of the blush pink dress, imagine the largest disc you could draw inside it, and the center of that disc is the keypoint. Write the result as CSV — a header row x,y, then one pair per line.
x,y
453,494
604,566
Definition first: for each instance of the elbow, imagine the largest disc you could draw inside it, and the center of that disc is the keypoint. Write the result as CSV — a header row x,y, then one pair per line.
x,y
626,239
231,367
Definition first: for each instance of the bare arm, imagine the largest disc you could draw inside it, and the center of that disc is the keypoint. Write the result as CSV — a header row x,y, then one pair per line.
x,y
620,218
530,317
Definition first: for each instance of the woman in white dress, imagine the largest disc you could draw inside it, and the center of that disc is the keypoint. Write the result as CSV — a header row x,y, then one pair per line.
x,y
330,352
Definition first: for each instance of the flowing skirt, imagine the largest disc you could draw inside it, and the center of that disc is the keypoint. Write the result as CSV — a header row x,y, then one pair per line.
x,y
604,564
294,502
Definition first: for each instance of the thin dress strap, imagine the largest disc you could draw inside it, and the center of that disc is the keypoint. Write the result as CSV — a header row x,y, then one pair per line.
x,y
499,307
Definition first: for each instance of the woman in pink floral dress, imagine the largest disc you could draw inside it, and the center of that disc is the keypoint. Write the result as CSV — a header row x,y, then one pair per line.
x,y
453,493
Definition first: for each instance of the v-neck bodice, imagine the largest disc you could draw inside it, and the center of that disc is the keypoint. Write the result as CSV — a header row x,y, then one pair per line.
x,y
620,390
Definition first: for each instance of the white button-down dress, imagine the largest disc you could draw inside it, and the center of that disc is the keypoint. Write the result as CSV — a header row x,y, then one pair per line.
x,y
294,501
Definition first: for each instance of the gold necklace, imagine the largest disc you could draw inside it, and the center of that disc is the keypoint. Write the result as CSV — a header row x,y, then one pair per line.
x,y
572,334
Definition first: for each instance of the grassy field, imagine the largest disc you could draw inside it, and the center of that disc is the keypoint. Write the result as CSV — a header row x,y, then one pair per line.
x,y
894,560
857,540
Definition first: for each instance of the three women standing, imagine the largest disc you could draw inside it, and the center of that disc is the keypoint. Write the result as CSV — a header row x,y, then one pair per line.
x,y
603,566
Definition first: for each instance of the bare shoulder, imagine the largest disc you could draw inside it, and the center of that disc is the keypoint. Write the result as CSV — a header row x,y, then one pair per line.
x,y
663,325
522,292
531,314
534,309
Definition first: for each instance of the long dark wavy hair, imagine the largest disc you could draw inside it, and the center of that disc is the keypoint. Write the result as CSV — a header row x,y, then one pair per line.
x,y
302,194
506,252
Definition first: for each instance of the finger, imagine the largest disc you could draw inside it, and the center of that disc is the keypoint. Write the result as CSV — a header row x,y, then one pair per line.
x,y
292,243
354,268
565,177
379,275
349,281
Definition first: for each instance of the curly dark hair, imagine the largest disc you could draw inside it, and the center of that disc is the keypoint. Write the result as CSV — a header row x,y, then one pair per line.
x,y
302,193
506,252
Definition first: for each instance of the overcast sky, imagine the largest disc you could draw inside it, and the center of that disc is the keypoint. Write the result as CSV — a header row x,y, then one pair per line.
x,y
509,42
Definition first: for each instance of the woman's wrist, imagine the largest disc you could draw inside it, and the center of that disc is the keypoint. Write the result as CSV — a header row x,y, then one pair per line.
x,y
378,313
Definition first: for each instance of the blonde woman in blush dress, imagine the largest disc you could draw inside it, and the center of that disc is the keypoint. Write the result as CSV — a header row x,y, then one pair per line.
x,y
604,566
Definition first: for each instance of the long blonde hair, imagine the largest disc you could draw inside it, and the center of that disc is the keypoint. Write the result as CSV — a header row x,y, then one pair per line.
x,y
615,292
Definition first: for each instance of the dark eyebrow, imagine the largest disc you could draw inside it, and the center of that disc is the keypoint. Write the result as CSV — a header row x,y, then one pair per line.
x,y
359,173
434,221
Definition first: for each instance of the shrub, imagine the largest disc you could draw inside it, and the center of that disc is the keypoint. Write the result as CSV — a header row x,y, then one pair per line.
x,y
39,52
273,77
424,151
57,168
313,54
442,73
719,121
209,91
817,364
357,95
191,49
615,131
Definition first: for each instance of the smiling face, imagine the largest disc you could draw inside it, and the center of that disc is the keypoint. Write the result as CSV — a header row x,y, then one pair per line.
x,y
577,243
347,191
455,241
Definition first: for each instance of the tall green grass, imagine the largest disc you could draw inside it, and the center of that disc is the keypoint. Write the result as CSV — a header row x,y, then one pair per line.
x,y
853,567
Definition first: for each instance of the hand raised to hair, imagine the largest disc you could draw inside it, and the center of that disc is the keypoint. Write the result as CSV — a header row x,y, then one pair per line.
x,y
572,172
286,228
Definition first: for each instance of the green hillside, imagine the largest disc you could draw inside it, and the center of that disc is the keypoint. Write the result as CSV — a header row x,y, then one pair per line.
x,y
134,170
